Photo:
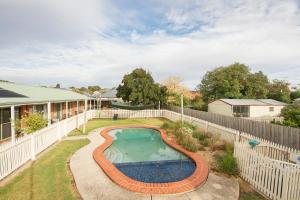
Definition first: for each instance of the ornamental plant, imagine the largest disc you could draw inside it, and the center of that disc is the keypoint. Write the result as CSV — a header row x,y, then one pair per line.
x,y
33,122
227,164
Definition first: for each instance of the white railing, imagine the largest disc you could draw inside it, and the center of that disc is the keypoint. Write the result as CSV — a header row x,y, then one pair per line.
x,y
25,148
264,168
274,178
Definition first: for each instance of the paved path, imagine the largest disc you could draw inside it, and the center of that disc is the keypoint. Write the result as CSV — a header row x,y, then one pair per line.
x,y
92,183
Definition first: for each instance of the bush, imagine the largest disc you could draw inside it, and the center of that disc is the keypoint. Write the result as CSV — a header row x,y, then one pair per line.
x,y
189,143
184,138
205,142
229,147
168,125
198,135
33,122
227,164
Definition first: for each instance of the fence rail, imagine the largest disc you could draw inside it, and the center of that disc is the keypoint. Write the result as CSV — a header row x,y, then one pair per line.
x,y
274,178
265,167
25,148
282,135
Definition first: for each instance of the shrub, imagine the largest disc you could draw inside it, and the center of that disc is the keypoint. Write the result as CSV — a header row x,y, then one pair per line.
x,y
189,143
184,138
205,142
33,122
178,125
229,147
226,163
188,125
198,135
167,125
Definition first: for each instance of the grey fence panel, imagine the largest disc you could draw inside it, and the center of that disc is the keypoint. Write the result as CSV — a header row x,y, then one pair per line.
x,y
286,136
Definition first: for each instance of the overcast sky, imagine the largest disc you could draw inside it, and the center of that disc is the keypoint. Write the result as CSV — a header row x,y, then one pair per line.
x,y
94,42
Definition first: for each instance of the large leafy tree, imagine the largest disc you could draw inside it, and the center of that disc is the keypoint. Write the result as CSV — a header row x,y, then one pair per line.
x,y
279,90
295,93
291,115
234,81
175,88
139,88
256,86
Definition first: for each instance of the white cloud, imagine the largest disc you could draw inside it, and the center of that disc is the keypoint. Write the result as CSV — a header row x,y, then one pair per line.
x,y
262,34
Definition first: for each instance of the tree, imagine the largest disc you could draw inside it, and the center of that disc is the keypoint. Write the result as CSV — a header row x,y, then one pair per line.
x,y
198,103
175,88
256,86
139,88
295,94
89,89
92,89
279,90
228,82
291,115
57,85
5,81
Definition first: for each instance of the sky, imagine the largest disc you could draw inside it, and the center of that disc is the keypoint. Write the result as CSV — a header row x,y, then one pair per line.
x,y
96,42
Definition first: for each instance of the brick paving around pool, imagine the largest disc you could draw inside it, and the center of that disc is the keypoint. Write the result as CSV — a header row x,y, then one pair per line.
x,y
189,184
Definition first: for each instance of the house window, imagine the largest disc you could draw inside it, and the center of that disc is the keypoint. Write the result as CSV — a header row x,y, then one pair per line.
x,y
271,109
38,109
241,111
5,124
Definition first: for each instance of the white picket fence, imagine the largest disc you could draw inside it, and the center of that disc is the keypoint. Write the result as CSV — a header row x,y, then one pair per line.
x,y
265,167
25,148
276,179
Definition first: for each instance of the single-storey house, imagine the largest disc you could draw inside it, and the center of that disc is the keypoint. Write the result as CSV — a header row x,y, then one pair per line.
x,y
252,108
108,97
54,104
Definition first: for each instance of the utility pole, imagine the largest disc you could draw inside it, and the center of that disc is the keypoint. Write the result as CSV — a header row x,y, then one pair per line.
x,y
182,109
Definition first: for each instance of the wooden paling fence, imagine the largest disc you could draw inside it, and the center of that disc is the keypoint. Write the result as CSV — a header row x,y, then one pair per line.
x,y
286,136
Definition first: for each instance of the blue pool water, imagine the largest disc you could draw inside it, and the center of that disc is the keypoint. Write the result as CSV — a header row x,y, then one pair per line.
x,y
141,154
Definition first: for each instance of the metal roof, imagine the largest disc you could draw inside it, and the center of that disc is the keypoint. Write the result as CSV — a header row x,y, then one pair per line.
x,y
253,102
36,94
112,93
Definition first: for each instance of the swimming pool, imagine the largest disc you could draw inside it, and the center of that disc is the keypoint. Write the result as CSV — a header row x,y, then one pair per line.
x,y
141,154
149,162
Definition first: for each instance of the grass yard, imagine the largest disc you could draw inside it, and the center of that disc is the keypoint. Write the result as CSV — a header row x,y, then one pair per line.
x,y
47,178
98,123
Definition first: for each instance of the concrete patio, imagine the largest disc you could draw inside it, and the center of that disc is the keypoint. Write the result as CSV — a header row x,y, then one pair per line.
x,y
92,182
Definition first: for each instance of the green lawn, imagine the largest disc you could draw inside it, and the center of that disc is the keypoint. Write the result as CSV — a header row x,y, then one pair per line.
x,y
97,123
47,178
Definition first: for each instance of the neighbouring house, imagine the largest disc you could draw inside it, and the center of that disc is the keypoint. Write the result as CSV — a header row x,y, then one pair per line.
x,y
108,97
251,108
54,104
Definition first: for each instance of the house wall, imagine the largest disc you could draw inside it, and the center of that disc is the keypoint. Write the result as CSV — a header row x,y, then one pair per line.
x,y
220,107
74,108
64,110
81,108
263,111
26,110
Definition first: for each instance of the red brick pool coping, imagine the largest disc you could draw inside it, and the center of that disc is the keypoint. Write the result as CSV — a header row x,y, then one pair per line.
x,y
189,184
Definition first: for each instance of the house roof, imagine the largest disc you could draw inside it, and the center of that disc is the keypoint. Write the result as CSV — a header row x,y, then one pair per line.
x,y
253,102
22,94
112,93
